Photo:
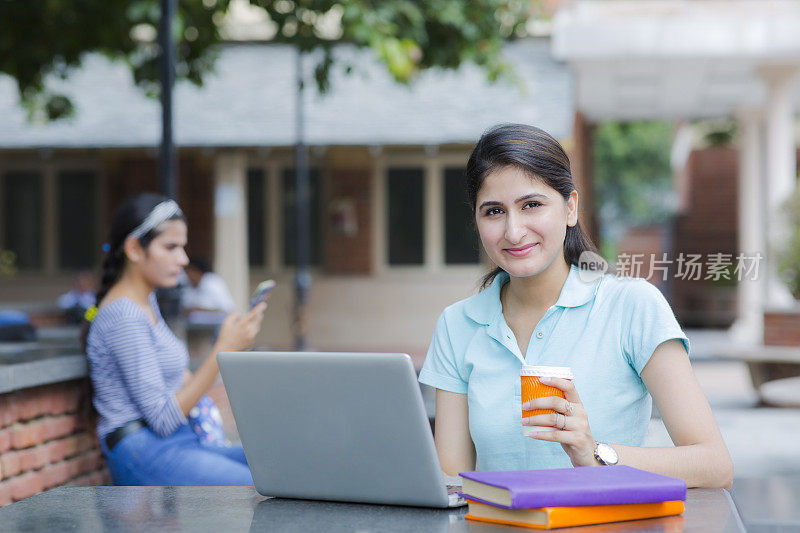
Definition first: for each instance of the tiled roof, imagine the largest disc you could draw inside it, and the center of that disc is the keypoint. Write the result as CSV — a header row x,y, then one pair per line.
x,y
250,101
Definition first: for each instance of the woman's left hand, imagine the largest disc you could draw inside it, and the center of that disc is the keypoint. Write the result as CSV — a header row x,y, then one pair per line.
x,y
570,420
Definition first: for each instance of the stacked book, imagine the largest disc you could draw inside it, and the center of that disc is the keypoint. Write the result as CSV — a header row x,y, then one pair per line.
x,y
566,497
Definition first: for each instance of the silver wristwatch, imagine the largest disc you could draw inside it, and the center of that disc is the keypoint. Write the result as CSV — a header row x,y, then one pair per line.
x,y
605,454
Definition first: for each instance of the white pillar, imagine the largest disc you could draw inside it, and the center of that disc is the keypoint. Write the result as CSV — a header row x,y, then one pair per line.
x,y
230,224
749,325
433,217
781,168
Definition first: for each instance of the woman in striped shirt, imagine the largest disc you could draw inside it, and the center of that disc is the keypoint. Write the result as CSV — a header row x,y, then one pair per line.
x,y
143,390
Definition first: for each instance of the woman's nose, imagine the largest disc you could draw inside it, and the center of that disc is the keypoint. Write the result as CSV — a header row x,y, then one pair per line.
x,y
515,231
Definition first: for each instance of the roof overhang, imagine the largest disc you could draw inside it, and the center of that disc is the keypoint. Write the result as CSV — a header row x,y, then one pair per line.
x,y
663,59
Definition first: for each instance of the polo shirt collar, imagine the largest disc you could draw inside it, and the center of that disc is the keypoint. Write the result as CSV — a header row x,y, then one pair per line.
x,y
485,307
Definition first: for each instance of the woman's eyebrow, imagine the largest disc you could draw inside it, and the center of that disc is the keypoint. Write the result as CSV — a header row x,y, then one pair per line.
x,y
529,197
518,200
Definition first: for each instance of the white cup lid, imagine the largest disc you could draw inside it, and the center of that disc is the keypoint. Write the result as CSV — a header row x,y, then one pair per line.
x,y
563,372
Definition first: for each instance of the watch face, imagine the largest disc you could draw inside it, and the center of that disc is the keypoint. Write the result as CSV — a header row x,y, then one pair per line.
x,y
606,454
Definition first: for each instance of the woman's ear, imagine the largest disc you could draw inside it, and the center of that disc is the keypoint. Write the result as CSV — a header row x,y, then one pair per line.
x,y
133,249
572,209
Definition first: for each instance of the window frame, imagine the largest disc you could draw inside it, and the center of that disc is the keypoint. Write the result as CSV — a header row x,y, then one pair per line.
x,y
49,168
433,162
273,166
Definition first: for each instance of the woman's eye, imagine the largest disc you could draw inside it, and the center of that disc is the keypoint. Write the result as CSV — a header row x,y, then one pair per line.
x,y
531,204
493,211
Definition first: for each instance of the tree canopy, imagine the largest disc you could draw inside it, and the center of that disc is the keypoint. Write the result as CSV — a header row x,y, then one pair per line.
x,y
39,38
632,175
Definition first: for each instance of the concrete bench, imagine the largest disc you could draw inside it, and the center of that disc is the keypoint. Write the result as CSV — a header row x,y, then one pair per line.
x,y
781,392
767,363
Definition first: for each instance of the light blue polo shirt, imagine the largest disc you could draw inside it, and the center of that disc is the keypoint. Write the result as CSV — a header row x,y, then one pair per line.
x,y
605,329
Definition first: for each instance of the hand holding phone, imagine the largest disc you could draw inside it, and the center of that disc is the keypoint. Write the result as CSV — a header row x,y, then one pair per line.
x,y
262,292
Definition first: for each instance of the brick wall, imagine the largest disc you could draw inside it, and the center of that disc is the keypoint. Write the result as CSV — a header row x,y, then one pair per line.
x,y
44,442
707,225
349,194
782,329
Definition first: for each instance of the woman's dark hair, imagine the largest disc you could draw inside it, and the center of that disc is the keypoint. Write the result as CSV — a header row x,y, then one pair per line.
x,y
200,263
539,155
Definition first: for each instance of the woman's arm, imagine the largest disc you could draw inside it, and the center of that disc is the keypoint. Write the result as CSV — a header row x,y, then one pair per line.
x,y
236,333
699,456
453,443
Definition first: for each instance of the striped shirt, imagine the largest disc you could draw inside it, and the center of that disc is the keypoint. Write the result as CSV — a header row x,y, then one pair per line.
x,y
136,368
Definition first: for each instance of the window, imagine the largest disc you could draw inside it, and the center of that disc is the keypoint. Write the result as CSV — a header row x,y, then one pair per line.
x,y
462,245
22,222
255,217
78,246
290,217
406,216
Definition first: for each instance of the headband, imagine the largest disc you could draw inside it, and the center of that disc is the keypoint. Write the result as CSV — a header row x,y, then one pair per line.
x,y
163,211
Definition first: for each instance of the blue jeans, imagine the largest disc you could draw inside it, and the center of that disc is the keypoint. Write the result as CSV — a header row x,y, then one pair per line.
x,y
144,458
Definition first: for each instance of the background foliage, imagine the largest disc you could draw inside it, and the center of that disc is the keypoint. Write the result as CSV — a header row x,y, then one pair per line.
x,y
632,176
43,37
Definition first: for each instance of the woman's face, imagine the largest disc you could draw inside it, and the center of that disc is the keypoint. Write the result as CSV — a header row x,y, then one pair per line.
x,y
165,258
522,221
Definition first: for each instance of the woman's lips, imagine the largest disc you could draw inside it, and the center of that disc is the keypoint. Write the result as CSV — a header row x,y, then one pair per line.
x,y
521,251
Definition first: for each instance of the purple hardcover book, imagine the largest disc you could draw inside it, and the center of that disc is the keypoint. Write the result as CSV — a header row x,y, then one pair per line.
x,y
565,487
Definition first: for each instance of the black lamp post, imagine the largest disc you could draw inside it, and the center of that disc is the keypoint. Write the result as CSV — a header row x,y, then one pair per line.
x,y
167,165
303,276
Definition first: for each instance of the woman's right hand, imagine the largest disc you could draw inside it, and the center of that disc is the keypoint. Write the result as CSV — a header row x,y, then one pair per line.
x,y
237,332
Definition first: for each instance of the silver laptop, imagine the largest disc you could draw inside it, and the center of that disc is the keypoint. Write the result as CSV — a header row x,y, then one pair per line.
x,y
335,426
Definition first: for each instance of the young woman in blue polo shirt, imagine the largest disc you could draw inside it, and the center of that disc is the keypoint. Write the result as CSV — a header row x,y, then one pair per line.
x,y
619,336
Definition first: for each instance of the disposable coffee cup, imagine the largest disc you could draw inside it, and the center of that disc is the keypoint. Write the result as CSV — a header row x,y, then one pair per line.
x,y
533,388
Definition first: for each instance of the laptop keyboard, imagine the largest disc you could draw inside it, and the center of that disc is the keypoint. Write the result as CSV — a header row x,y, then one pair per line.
x,y
453,489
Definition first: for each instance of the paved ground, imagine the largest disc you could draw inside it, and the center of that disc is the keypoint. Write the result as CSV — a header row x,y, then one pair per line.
x,y
761,440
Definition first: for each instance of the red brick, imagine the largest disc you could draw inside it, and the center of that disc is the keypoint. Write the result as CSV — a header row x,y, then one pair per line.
x,y
55,474
26,435
26,485
9,412
73,466
43,400
85,442
5,440
5,493
62,400
87,462
33,458
72,443
60,426
56,450
72,397
28,404
80,481
97,478
11,464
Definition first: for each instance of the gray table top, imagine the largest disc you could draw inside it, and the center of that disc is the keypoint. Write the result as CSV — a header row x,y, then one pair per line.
x,y
769,503
243,509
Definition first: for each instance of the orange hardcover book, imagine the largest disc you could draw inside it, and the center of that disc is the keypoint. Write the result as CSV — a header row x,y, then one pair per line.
x,y
553,517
